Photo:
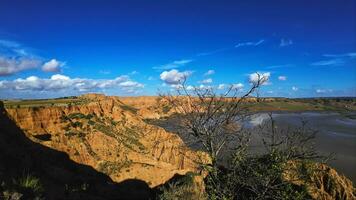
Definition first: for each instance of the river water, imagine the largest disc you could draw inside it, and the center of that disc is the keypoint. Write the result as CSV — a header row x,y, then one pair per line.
x,y
336,134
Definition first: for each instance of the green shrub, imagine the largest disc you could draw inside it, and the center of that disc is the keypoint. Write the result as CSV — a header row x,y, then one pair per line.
x,y
181,188
30,182
76,116
89,116
28,186
176,191
77,124
70,133
166,109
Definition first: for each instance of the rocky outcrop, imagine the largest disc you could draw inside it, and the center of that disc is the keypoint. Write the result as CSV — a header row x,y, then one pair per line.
x,y
30,170
109,136
149,107
321,181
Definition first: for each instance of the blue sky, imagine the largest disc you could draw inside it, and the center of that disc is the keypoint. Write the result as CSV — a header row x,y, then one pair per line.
x,y
137,47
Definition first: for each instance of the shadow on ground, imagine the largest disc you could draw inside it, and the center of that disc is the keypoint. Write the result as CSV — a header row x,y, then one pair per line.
x,y
60,177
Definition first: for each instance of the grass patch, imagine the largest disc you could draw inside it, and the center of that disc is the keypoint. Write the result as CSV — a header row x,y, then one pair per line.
x,y
29,184
42,102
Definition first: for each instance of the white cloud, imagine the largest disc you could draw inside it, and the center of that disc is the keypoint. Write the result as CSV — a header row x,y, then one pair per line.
x,y
189,87
59,82
59,77
221,86
128,84
209,72
12,65
52,66
241,44
282,78
15,58
237,86
174,77
262,78
204,87
285,42
295,88
174,64
323,90
207,81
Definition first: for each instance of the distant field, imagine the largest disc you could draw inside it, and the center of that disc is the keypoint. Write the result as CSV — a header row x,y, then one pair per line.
x,y
295,105
42,102
342,104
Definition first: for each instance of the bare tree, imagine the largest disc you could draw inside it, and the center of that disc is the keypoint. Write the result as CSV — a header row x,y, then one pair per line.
x,y
210,118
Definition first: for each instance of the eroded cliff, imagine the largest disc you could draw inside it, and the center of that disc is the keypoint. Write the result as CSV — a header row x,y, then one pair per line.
x,y
110,136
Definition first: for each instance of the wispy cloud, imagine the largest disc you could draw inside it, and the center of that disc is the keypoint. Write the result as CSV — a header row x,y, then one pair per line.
x,y
173,65
105,72
134,72
335,59
347,55
242,44
12,48
279,66
213,52
285,42
331,62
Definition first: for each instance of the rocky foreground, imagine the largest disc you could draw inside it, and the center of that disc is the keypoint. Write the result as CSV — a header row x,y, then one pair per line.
x,y
101,148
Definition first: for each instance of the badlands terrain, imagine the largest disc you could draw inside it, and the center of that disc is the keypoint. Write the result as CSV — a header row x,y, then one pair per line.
x,y
104,147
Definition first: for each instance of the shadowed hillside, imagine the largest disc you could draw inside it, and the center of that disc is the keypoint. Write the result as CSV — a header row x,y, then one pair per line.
x,y
60,177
